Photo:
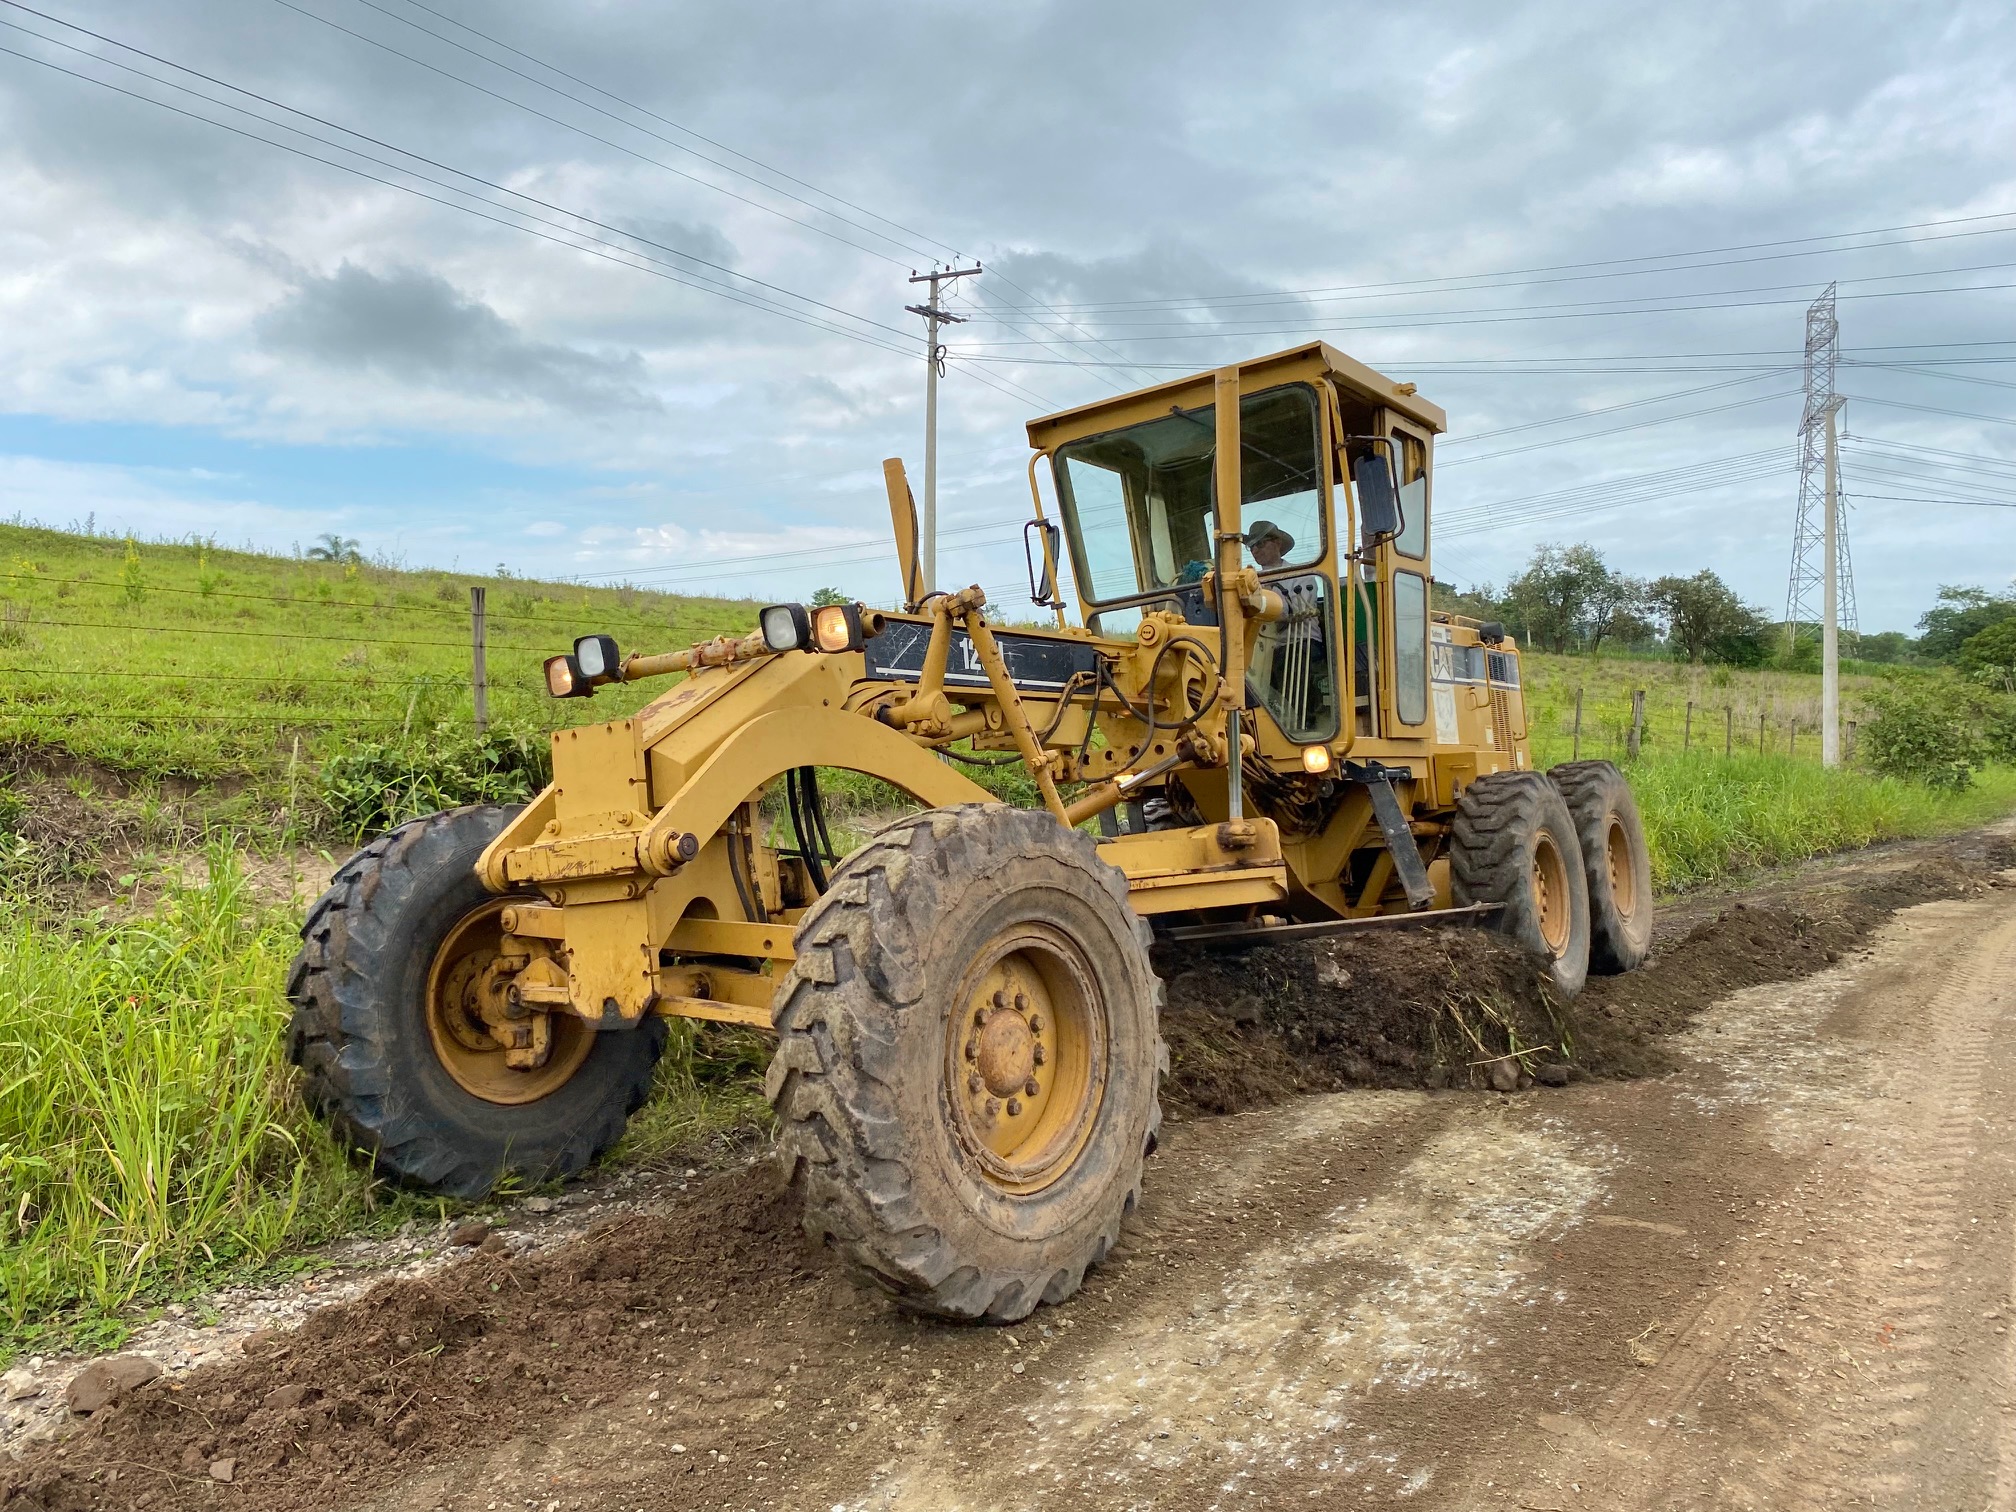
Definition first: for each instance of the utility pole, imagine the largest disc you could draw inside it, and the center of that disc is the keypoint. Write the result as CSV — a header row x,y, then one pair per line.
x,y
934,361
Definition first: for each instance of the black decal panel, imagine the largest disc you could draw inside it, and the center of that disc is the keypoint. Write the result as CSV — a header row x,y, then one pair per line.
x,y
1036,663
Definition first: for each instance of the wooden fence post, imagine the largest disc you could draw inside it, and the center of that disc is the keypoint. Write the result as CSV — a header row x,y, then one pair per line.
x,y
1577,756
1637,721
1729,729
479,673
1687,733
1848,749
1760,732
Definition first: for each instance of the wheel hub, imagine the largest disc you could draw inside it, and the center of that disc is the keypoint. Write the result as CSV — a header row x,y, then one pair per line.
x,y
1005,1052
1025,1062
491,1047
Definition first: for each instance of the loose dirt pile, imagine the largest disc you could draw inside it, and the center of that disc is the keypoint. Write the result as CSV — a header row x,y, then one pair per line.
x,y
472,1356
1441,1009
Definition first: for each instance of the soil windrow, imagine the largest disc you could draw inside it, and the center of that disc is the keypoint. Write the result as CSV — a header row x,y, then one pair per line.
x,y
422,1372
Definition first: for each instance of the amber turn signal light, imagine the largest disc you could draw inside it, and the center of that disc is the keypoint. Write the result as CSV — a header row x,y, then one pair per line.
x,y
837,627
1315,758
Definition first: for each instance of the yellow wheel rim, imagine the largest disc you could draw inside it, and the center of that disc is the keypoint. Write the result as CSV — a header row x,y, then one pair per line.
x,y
456,982
1025,1058
1552,904
1617,860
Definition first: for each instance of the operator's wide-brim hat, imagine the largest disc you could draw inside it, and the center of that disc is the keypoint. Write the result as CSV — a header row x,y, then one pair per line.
x,y
1267,530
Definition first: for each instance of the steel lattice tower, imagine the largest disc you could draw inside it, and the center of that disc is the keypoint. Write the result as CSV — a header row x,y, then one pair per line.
x,y
1802,598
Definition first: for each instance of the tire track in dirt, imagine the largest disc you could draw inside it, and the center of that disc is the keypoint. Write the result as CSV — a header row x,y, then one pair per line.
x,y
1266,1371
1830,1372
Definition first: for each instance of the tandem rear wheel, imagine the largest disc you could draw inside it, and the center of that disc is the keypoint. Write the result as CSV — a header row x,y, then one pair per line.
x,y
1565,855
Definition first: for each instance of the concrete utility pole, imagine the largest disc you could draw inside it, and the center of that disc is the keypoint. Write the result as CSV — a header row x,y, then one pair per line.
x,y
934,362
1830,612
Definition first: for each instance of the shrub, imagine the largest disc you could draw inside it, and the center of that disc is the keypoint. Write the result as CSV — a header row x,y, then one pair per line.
x,y
374,785
1925,728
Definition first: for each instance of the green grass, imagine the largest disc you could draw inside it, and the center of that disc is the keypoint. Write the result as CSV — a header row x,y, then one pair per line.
x,y
149,1135
1708,819
190,662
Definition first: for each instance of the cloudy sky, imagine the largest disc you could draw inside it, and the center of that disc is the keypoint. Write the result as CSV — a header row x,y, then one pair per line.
x,y
616,290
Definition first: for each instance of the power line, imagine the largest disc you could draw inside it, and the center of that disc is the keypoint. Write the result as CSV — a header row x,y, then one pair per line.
x,y
1403,284
431,162
1928,409
1507,430
655,136
1918,499
1612,430
1578,310
584,131
620,261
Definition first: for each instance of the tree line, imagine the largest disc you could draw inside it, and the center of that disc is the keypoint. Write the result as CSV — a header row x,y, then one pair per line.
x,y
1568,600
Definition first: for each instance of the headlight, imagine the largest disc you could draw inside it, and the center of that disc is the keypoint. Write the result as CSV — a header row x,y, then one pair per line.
x,y
564,679
596,658
837,627
786,627
1315,758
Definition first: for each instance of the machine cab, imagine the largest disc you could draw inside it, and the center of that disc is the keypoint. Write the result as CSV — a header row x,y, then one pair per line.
x,y
1136,485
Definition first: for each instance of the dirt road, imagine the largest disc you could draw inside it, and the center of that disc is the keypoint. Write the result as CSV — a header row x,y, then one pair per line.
x,y
1778,1276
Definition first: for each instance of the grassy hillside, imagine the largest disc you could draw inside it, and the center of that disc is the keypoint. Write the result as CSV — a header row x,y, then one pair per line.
x,y
176,715
193,662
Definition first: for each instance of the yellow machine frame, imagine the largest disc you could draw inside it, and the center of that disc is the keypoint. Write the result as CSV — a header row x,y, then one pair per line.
x,y
648,886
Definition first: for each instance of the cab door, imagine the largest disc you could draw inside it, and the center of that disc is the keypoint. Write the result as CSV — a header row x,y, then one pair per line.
x,y
1403,567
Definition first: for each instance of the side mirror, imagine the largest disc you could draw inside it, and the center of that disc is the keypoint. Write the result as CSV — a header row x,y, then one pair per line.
x,y
1042,549
1378,505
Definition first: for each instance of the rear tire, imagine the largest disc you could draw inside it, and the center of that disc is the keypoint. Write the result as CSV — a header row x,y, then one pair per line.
x,y
962,961
1616,861
1514,843
378,1065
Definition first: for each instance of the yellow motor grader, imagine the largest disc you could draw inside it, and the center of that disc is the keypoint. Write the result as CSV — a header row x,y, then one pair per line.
x,y
1255,725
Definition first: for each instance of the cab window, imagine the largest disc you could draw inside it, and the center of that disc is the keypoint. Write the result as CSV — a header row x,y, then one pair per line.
x,y
1410,647
1137,502
1411,457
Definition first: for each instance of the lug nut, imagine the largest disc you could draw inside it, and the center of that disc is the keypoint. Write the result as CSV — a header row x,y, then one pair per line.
x,y
1014,1106
1038,1055
1031,1087
973,1049
993,1107
973,1082
979,1016
1035,1023
1021,1002
1000,999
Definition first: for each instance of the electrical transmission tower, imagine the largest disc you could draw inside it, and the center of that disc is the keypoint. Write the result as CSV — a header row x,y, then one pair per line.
x,y
1818,475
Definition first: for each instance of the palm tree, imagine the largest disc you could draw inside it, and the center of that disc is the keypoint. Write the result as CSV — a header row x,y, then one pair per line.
x,y
336,548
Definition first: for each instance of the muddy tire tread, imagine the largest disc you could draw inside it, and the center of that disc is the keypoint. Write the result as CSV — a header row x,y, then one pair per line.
x,y
831,1080
1488,856
1591,789
339,1032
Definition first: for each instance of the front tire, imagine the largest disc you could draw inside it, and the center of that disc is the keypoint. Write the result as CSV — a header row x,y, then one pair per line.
x,y
394,1063
1514,843
969,1061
